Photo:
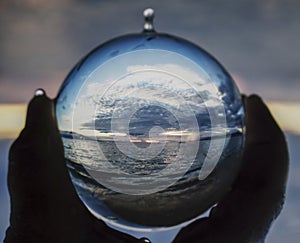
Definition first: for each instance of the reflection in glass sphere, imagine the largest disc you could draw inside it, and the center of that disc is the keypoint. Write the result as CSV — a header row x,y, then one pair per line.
x,y
152,127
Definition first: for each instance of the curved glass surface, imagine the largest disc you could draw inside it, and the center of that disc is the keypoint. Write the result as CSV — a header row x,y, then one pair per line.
x,y
153,130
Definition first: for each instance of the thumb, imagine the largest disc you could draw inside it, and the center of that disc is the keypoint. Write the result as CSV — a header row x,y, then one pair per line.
x,y
44,204
40,113
247,211
32,150
40,189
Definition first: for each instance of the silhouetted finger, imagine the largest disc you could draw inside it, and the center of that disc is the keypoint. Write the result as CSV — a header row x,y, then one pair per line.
x,y
44,204
245,214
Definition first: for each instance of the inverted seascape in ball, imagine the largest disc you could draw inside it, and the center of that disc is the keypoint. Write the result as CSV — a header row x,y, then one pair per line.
x,y
153,130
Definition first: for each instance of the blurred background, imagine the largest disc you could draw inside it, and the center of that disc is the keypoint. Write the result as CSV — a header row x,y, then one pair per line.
x,y
256,40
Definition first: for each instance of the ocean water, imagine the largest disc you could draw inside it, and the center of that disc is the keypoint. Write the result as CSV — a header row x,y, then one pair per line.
x,y
284,229
186,198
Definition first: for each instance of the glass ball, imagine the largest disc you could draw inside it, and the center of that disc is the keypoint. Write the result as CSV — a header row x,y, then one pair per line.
x,y
153,130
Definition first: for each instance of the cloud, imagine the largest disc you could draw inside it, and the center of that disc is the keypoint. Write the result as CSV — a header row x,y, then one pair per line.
x,y
185,92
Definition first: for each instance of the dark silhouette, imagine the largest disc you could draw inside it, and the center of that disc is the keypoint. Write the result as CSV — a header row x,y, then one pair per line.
x,y
46,208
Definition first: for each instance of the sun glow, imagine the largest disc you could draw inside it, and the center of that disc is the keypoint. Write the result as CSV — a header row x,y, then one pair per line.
x,y
12,117
287,114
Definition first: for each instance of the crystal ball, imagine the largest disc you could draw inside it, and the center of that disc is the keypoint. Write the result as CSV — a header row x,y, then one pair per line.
x,y
153,130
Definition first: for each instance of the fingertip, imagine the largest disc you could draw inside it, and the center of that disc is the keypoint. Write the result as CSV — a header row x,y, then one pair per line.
x,y
40,110
254,101
260,123
255,108
254,97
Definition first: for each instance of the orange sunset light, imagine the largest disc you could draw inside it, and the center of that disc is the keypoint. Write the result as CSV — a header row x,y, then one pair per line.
x,y
287,114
